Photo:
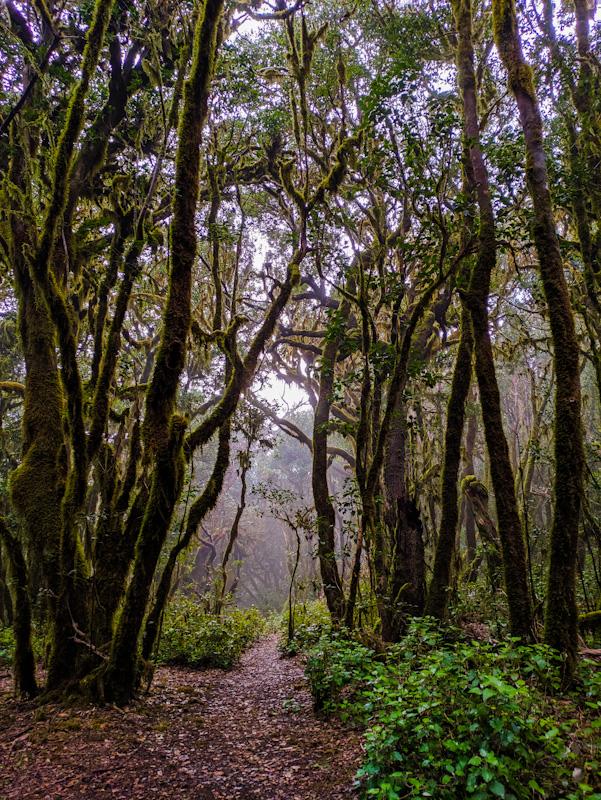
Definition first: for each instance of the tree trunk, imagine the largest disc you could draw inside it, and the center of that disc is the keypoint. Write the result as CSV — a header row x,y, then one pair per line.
x,y
163,430
476,494
24,663
447,536
349,616
403,541
510,529
233,536
118,681
561,615
326,519
467,512
200,508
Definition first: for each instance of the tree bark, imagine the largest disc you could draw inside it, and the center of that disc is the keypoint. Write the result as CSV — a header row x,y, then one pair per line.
x,y
326,548
510,529
561,615
438,594
24,662
163,430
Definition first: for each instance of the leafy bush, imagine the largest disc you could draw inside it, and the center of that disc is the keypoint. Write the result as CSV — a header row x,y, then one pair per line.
x,y
311,621
192,637
7,645
450,718
337,663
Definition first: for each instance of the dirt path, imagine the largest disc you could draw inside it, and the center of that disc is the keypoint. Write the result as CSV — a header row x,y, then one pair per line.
x,y
249,733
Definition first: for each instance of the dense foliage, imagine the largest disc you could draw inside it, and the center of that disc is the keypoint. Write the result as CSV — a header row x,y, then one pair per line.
x,y
194,638
7,645
451,717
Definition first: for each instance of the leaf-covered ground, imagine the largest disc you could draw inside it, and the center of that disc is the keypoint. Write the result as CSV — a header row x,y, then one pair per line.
x,y
248,733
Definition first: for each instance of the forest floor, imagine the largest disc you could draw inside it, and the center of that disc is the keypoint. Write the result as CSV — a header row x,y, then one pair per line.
x,y
198,735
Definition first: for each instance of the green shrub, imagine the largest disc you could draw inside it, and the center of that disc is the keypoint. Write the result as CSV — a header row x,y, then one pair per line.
x,y
336,663
192,637
7,645
311,621
449,718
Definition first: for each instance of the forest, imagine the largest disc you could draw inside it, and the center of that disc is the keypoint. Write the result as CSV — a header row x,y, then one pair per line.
x,y
300,399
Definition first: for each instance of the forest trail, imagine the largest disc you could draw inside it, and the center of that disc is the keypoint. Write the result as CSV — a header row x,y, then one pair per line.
x,y
199,735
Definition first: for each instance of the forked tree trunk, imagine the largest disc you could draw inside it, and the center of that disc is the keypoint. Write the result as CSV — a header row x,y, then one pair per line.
x,y
163,429
326,519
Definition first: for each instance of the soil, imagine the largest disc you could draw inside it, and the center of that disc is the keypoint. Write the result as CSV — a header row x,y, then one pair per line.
x,y
198,735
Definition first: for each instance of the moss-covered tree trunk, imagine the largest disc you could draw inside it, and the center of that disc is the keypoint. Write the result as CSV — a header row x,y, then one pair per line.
x,y
114,541
232,541
510,529
395,544
45,289
118,681
587,100
476,495
6,603
37,484
583,155
561,617
467,514
163,430
438,591
24,662
200,508
404,592
326,539
349,614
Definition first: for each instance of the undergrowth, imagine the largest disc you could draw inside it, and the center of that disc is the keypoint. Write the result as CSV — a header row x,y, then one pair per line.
x,y
7,645
447,717
311,621
192,637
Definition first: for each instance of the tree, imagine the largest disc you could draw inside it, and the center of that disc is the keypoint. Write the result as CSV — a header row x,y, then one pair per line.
x,y
560,614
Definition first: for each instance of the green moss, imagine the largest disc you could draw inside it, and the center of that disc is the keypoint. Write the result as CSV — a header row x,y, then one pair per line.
x,y
120,678
471,483
42,262
37,484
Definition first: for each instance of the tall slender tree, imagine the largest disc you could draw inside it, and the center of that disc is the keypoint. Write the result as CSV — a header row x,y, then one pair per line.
x,y
561,618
